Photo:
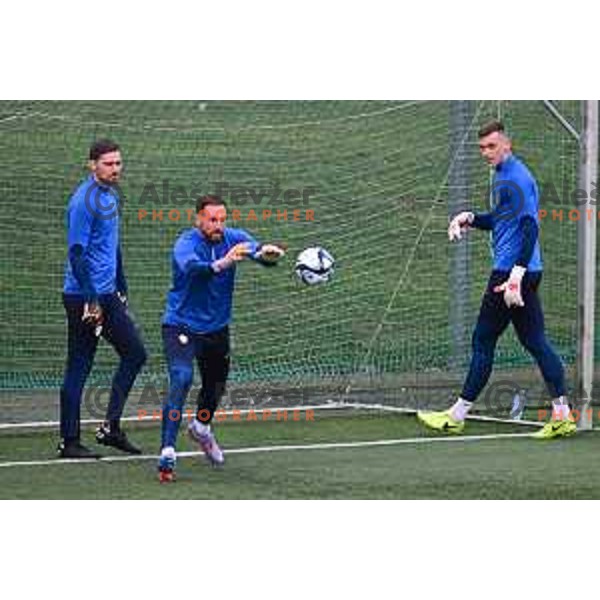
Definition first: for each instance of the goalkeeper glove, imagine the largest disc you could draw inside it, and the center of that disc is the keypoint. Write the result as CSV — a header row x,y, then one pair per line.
x,y
270,253
93,315
236,254
512,287
459,225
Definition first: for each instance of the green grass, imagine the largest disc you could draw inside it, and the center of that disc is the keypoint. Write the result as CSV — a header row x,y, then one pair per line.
x,y
520,468
381,206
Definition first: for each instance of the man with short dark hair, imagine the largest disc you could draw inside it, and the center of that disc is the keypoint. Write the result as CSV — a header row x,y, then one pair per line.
x,y
95,299
493,126
196,323
512,291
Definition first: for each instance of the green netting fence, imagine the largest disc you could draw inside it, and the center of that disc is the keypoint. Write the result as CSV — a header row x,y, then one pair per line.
x,y
370,181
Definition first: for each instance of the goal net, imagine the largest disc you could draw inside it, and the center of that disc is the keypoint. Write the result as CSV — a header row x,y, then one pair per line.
x,y
372,182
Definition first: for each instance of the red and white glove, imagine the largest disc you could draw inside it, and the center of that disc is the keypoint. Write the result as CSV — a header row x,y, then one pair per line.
x,y
512,287
93,315
459,225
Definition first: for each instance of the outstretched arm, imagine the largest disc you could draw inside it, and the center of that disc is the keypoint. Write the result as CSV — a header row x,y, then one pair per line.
x,y
463,221
267,255
193,266
483,221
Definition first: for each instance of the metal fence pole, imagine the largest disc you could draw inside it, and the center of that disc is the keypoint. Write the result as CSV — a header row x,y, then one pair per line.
x,y
586,263
461,116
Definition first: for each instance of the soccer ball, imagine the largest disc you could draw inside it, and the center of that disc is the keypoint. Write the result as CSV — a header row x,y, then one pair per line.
x,y
314,265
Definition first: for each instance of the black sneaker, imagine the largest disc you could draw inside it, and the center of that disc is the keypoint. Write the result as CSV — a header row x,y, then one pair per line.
x,y
116,439
75,449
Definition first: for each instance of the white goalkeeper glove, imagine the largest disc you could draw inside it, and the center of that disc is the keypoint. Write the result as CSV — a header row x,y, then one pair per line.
x,y
270,253
512,287
93,315
459,225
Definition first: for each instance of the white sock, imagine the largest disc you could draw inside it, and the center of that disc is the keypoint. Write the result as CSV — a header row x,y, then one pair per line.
x,y
168,452
201,427
560,409
460,409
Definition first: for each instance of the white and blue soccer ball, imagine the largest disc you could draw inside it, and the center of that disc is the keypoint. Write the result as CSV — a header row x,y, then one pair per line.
x,y
314,265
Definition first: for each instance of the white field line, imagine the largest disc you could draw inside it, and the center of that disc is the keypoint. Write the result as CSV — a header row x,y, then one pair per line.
x,y
229,413
285,448
413,411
